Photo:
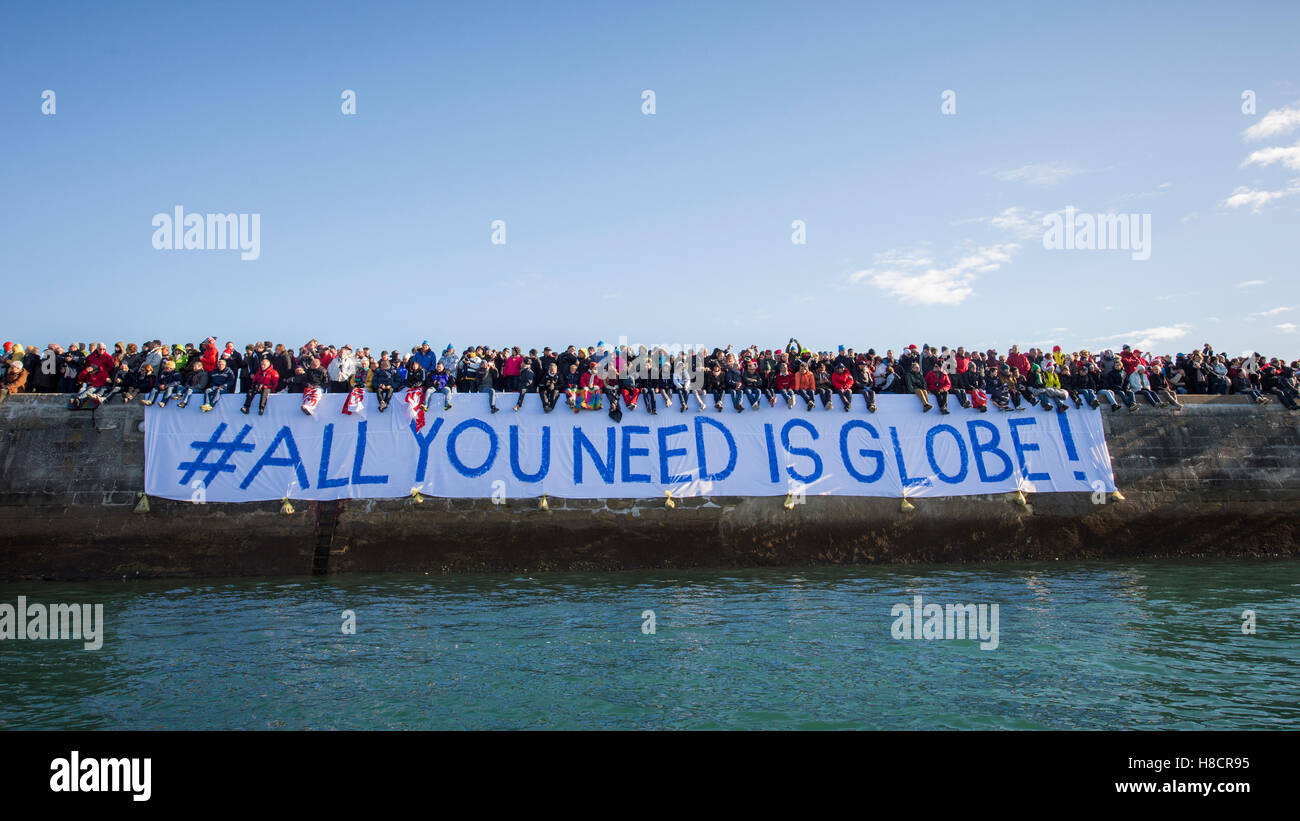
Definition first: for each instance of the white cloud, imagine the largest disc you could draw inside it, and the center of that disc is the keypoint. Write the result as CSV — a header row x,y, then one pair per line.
x,y
913,277
1022,222
1038,174
1189,217
1148,338
1243,196
1287,155
1277,121
1251,283
1271,312
1214,319
1287,327
1019,221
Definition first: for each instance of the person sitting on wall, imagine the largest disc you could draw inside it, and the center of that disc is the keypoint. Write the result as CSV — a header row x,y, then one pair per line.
x,y
524,381
842,384
438,383
751,383
549,389
591,386
195,380
264,383
914,383
220,381
170,382
939,383
805,384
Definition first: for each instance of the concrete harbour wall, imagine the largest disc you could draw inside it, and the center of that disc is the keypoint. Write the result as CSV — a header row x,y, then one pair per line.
x,y
1222,477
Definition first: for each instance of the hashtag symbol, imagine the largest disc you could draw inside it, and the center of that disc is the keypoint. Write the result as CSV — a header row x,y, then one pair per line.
x,y
221,465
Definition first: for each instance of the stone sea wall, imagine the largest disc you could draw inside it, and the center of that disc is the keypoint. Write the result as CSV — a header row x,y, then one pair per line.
x,y
1221,477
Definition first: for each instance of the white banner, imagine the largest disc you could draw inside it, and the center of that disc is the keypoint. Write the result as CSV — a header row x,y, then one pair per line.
x,y
226,456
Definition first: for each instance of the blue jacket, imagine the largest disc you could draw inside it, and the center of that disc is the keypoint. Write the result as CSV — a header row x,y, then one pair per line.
x,y
222,378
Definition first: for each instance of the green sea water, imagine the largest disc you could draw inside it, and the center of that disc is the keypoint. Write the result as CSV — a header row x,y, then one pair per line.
x,y
1080,646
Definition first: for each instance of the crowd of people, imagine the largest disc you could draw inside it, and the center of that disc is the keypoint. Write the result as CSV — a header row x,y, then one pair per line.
x,y
618,378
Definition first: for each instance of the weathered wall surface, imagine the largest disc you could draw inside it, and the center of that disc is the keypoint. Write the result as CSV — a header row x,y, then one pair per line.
x,y
1220,478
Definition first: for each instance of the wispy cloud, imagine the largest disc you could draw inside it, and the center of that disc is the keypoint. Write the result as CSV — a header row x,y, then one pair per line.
x,y
914,278
1148,338
1043,174
1270,312
1024,223
1287,155
1251,283
1287,327
1277,121
1170,297
1255,199
1159,191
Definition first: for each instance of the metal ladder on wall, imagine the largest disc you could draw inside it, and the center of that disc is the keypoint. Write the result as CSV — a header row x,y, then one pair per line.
x,y
327,520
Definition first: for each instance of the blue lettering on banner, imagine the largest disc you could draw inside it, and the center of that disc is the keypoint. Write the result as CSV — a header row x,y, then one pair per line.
x,y
958,477
605,467
454,458
1062,419
382,479
991,446
877,455
514,456
628,452
908,482
771,453
270,460
705,476
666,453
424,441
322,475
807,478
1021,448
222,465
754,454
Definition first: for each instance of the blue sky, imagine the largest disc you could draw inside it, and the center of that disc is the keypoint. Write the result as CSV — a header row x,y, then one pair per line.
x,y
675,227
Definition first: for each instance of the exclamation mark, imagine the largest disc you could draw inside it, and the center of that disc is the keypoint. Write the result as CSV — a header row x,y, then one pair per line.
x,y
1063,420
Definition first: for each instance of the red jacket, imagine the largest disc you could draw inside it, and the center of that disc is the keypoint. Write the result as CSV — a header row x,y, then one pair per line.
x,y
1130,360
785,381
210,358
842,381
267,378
103,359
1019,361
96,379
937,380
